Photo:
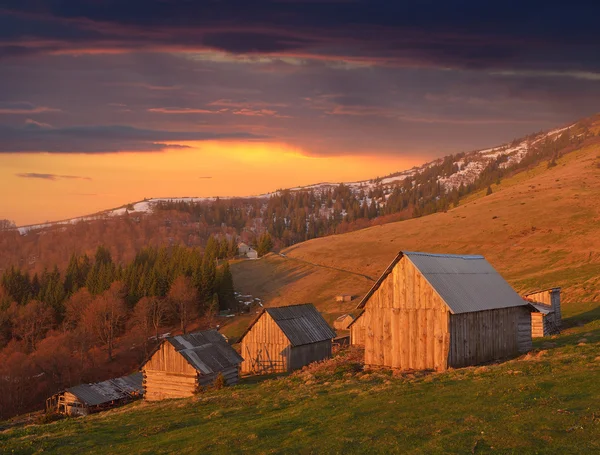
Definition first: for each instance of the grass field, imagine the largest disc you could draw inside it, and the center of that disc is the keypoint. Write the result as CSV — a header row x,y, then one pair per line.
x,y
545,402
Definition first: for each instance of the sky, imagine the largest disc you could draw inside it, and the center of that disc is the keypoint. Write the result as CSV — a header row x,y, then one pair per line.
x,y
105,102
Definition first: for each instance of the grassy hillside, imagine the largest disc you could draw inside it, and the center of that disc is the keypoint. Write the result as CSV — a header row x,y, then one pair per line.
x,y
539,228
545,402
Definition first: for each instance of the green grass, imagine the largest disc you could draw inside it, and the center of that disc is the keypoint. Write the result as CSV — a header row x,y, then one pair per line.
x,y
545,402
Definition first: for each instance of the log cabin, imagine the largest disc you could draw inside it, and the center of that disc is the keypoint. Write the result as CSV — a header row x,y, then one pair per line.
x,y
284,339
86,399
182,364
436,311
546,317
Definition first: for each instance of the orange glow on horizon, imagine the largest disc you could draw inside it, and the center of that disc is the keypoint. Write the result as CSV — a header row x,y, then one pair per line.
x,y
212,168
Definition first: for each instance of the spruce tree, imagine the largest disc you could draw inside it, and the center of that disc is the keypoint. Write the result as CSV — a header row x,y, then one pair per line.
x,y
225,288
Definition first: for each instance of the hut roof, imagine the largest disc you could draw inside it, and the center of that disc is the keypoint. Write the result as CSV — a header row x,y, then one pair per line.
x,y
208,352
343,316
301,324
107,391
466,283
541,308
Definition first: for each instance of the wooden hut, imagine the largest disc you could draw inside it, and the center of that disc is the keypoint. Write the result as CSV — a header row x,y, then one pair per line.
x,y
85,399
546,317
434,311
183,363
343,298
284,339
342,322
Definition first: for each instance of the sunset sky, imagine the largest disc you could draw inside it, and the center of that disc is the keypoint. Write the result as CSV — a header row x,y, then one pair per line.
x,y
107,102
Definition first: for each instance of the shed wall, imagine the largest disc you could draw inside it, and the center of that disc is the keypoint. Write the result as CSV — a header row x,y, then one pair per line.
x,y
168,375
484,336
405,323
552,299
308,353
265,348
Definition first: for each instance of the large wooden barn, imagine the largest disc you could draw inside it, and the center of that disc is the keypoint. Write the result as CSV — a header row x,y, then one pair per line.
x,y
546,317
435,311
85,399
284,339
183,363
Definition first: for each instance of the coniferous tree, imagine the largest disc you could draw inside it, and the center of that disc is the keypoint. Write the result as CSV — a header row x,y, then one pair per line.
x,y
225,288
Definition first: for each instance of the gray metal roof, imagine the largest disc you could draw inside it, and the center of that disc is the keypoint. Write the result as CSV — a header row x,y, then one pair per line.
x,y
466,283
301,324
208,352
107,391
541,308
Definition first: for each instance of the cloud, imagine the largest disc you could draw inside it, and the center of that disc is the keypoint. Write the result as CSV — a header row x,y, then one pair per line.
x,y
536,35
206,177
24,108
181,110
105,139
53,177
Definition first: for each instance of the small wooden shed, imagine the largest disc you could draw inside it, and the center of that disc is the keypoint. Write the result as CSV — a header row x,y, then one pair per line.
x,y
342,322
284,339
434,311
546,318
343,298
86,399
183,363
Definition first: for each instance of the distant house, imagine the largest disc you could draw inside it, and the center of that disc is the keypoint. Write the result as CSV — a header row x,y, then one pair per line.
x,y
284,339
183,363
342,322
546,317
85,399
343,298
243,248
435,311
252,253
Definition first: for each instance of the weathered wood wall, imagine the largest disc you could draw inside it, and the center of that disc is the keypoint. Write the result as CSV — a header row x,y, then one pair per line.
x,y
265,348
168,375
538,326
552,299
308,353
484,336
405,323
342,324
358,332
231,376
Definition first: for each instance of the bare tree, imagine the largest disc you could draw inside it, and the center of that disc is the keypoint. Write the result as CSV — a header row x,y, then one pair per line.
x,y
32,321
105,316
6,225
183,296
75,307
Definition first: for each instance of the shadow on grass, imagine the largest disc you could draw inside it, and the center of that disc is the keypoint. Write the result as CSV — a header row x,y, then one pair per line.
x,y
582,318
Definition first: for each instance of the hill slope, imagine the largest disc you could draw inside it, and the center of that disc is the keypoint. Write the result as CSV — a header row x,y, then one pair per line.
x,y
538,228
544,402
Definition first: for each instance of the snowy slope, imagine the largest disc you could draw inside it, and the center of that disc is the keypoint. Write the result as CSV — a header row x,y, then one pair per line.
x,y
470,167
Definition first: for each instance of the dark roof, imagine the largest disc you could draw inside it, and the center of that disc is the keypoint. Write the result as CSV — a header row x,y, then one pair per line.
x,y
208,351
466,283
107,391
541,308
301,324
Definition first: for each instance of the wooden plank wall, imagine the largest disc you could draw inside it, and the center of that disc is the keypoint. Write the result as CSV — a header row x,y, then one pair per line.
x,y
537,325
265,348
552,299
358,332
231,376
308,353
484,336
168,375
406,323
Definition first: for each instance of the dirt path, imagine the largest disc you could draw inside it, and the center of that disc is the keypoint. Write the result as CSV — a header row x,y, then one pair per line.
x,y
302,261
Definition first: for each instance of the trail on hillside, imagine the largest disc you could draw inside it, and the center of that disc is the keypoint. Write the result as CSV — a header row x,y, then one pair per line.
x,y
281,255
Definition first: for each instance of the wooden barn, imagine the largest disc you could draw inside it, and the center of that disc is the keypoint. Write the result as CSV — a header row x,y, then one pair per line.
x,y
86,399
342,322
343,298
546,318
183,363
284,339
435,311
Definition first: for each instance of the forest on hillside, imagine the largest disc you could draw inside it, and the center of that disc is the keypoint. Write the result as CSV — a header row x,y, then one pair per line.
x,y
61,328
